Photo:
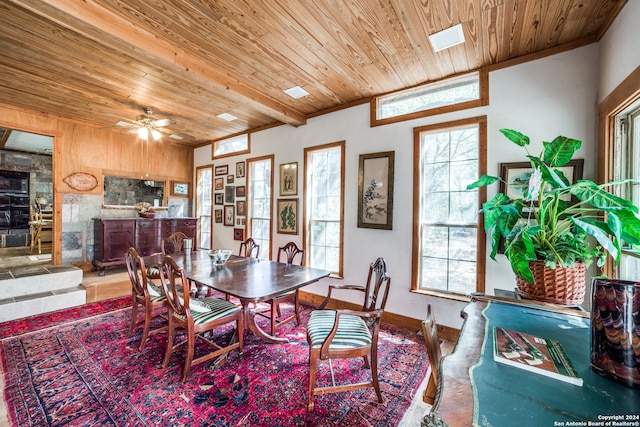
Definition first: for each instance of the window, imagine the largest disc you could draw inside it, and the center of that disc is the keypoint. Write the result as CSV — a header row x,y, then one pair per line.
x,y
260,202
627,166
203,205
324,206
456,93
240,144
447,240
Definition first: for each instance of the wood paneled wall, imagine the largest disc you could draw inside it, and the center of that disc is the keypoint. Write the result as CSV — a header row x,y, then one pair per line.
x,y
80,147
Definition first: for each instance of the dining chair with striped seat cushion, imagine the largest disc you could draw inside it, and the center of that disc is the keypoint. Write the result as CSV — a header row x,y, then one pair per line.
x,y
197,317
345,334
144,293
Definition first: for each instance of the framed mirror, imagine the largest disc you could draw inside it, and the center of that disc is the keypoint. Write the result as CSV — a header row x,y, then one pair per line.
x,y
119,191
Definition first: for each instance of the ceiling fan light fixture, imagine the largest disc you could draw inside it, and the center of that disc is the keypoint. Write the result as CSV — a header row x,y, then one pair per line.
x,y
226,116
143,133
296,92
447,38
156,134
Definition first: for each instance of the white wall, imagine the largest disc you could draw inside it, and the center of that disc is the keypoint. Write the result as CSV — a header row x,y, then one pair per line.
x,y
543,99
619,51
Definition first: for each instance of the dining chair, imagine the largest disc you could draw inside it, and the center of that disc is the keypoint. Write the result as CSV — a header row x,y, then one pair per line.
x,y
196,317
344,334
288,252
144,293
35,225
168,245
248,247
430,333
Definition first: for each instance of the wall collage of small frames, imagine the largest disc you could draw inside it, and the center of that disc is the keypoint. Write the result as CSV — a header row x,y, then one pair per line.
x,y
229,199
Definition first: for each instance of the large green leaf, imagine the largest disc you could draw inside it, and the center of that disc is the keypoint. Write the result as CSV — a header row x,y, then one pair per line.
x,y
495,242
519,256
560,151
590,192
602,238
483,181
630,223
516,137
552,176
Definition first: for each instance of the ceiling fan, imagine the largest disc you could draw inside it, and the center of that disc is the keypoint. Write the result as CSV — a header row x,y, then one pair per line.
x,y
147,126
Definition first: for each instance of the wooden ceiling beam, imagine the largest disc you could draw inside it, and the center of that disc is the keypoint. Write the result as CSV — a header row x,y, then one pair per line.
x,y
99,24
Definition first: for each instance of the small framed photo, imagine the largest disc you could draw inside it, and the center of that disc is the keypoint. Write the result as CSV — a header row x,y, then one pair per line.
x,y
241,208
179,189
219,199
230,179
240,170
287,216
229,214
375,190
229,194
222,170
219,184
218,216
240,191
238,234
289,179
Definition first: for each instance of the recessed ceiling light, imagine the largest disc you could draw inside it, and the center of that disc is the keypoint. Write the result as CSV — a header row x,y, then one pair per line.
x,y
226,116
121,123
447,38
296,92
176,136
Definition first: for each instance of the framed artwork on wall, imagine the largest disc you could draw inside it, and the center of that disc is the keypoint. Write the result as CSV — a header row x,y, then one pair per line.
x,y
179,189
241,208
240,170
229,194
375,190
287,216
229,214
289,179
240,191
219,199
219,184
515,177
238,234
219,216
230,179
222,170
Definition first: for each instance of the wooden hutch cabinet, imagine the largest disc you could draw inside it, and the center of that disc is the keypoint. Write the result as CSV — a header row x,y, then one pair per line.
x,y
113,237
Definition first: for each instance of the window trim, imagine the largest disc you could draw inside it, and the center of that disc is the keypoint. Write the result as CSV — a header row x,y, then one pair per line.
x,y
216,142
483,75
270,157
199,169
481,122
306,234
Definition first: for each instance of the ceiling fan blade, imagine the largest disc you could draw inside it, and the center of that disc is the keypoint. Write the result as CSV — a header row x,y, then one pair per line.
x,y
162,123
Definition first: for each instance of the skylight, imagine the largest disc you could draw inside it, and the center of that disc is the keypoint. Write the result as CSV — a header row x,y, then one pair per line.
x,y
447,38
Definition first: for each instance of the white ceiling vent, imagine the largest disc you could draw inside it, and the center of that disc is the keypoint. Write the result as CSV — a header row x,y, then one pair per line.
x,y
447,38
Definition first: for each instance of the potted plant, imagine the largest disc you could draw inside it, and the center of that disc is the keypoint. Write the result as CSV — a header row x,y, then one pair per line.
x,y
546,232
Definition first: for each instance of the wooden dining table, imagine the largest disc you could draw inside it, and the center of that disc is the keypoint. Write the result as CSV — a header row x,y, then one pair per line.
x,y
250,280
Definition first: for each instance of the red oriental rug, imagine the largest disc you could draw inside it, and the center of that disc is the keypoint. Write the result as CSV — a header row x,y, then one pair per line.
x,y
85,372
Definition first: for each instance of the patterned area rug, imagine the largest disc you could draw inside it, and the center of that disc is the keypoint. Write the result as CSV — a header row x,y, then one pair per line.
x,y
87,373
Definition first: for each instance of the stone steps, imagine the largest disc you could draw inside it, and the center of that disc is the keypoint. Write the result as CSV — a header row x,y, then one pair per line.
x,y
26,291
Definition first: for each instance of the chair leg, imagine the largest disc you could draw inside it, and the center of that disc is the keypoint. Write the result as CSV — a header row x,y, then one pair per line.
x,y
134,317
147,326
313,357
167,353
374,373
191,338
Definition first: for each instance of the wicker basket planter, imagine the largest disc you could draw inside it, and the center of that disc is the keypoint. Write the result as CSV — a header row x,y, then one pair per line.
x,y
561,285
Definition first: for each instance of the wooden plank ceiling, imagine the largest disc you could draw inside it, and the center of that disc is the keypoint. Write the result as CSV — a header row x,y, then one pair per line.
x,y
104,61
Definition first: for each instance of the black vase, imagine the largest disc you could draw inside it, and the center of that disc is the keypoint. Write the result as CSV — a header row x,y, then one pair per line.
x,y
615,330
